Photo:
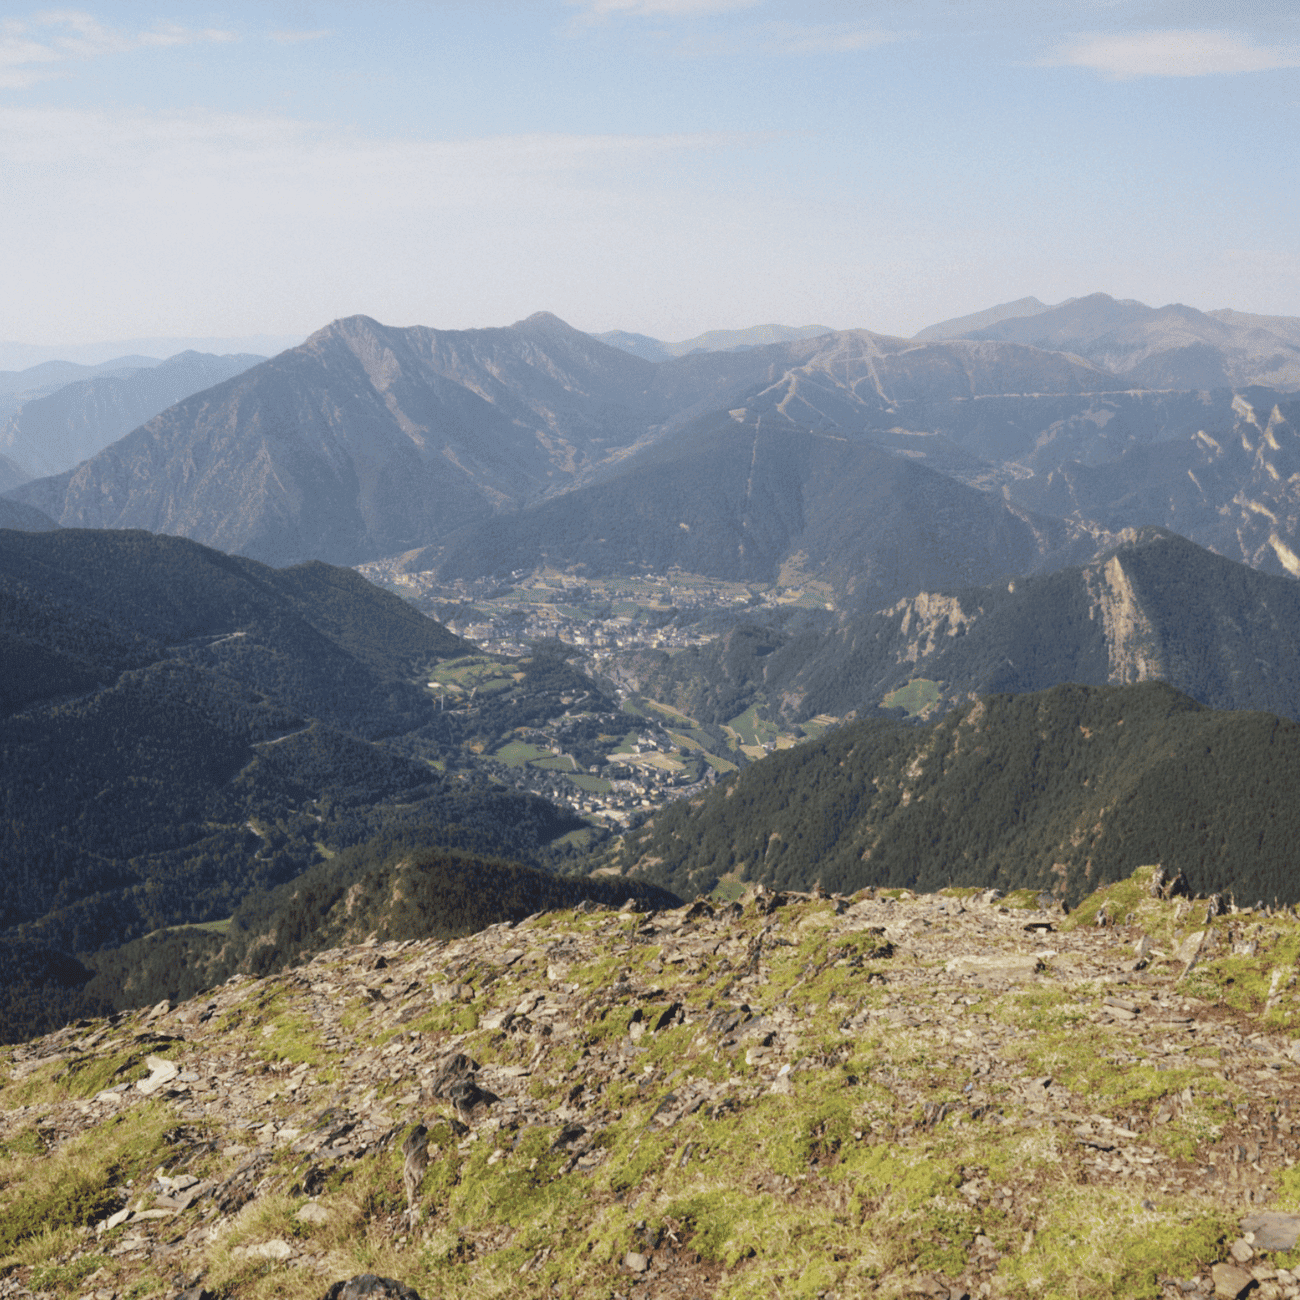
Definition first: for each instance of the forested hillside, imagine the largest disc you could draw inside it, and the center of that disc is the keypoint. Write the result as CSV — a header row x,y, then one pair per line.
x,y
734,498
1059,790
394,887
179,727
1156,606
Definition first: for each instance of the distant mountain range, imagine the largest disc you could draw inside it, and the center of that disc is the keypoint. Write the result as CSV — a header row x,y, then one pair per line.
x,y
19,386
20,356
1152,347
756,336
50,433
456,448
367,441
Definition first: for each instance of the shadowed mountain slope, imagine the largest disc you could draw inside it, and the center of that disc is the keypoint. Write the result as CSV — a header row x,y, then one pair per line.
x,y
179,726
736,500
13,514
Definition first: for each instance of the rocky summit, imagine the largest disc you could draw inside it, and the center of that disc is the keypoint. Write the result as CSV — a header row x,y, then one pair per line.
x,y
948,1095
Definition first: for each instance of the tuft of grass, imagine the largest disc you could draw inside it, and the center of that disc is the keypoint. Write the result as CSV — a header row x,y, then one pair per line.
x,y
77,1184
1101,1242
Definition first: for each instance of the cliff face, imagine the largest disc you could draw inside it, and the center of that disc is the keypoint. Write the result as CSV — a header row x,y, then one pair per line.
x,y
1131,642
877,1095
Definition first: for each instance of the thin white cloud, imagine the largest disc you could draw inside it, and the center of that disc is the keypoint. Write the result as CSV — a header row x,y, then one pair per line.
x,y
829,38
663,8
267,218
33,49
299,38
1174,53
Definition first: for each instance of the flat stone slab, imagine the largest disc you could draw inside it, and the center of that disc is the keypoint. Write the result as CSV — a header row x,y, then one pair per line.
x,y
1273,1231
1007,966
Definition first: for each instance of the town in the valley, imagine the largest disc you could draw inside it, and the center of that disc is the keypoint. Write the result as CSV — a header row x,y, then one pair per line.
x,y
653,753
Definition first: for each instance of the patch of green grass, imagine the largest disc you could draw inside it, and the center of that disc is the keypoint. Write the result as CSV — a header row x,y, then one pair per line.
x,y
519,753
75,1185
293,1038
63,1278
1125,898
88,1075
449,1018
916,697
1100,1242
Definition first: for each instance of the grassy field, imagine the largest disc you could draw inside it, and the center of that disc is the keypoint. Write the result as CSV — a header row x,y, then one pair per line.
x,y
519,753
591,784
751,730
916,697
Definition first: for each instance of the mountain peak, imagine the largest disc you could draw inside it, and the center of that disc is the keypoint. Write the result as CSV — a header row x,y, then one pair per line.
x,y
543,320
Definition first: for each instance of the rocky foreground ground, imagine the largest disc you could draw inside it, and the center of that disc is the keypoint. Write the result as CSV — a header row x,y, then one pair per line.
x,y
789,1095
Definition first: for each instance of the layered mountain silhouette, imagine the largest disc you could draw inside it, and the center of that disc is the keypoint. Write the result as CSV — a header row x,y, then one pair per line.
x,y
51,433
735,498
368,441
652,349
1152,347
46,377
455,447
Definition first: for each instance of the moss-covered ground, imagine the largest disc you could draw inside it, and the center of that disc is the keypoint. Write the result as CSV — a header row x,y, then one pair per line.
x,y
762,1096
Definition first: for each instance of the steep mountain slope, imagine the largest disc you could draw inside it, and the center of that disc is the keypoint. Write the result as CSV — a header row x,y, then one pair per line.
x,y
1059,790
369,441
47,435
734,498
1161,347
179,726
1154,607
363,441
1232,484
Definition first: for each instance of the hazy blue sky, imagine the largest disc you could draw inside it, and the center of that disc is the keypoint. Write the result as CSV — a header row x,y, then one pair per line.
x,y
665,166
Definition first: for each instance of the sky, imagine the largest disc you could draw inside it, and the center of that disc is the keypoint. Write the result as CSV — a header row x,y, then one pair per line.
x,y
660,166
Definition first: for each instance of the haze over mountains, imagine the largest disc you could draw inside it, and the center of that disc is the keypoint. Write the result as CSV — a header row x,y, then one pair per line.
x,y
1020,503
651,349
877,466
1153,347
368,441
52,431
